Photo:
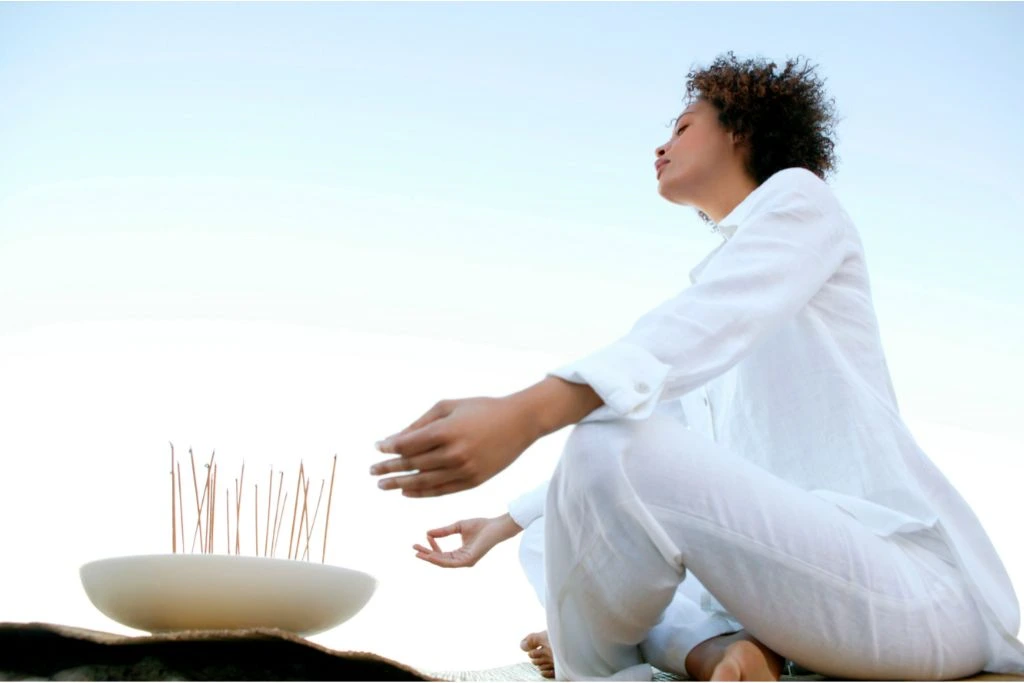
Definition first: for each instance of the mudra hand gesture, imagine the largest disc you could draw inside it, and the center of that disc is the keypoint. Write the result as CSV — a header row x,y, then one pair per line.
x,y
479,535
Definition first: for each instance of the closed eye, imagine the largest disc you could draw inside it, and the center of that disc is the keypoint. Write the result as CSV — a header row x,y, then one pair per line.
x,y
681,129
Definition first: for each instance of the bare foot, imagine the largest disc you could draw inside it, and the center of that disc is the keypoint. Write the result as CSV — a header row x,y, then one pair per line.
x,y
745,661
538,647
734,657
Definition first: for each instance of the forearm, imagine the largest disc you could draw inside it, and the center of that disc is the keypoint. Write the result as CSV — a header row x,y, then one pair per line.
x,y
554,403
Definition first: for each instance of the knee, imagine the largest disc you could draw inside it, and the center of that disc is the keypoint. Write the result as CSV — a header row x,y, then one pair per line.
x,y
593,453
591,440
642,451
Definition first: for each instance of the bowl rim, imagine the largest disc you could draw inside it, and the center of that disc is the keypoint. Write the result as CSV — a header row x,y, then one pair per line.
x,y
222,557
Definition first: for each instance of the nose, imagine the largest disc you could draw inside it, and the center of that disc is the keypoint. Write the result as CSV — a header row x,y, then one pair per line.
x,y
660,150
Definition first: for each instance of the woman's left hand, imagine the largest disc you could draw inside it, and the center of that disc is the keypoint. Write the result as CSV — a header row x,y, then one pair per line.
x,y
456,445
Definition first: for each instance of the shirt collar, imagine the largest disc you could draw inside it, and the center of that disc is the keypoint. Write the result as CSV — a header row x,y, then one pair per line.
x,y
727,226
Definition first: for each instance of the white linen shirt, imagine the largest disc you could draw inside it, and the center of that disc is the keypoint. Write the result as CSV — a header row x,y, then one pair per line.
x,y
777,336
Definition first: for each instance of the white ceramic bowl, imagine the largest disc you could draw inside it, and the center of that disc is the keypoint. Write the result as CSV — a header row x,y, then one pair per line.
x,y
204,592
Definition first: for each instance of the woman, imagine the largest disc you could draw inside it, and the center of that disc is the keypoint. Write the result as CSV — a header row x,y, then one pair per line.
x,y
812,516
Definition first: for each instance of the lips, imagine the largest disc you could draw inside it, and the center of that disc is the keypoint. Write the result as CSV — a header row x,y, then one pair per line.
x,y
658,165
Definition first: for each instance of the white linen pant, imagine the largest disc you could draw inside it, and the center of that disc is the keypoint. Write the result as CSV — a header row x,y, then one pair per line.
x,y
635,507
693,616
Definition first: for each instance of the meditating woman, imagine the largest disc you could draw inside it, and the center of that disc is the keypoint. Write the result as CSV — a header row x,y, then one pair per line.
x,y
805,508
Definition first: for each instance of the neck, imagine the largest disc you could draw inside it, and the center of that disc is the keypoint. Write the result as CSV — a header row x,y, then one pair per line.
x,y
727,195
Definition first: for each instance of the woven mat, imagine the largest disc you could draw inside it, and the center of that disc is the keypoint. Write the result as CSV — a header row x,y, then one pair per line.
x,y
528,672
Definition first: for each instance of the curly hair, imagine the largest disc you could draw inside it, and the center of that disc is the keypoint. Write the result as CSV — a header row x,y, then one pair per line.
x,y
784,116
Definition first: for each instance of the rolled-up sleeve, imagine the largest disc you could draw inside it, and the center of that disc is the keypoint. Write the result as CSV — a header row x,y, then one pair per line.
x,y
780,256
529,507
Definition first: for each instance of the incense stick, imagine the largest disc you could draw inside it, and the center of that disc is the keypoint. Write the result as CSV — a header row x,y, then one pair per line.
x,y
208,509
174,511
256,515
227,519
239,483
304,517
213,508
277,512
295,510
309,532
266,534
327,520
210,501
277,531
203,544
181,510
195,486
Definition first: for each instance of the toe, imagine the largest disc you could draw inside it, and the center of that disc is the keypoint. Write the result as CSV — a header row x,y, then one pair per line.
x,y
533,641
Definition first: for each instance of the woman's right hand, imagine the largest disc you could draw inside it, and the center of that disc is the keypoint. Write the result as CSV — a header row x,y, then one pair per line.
x,y
479,535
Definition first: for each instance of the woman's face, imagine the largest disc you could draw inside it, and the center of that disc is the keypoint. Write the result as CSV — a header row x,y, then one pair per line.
x,y
698,157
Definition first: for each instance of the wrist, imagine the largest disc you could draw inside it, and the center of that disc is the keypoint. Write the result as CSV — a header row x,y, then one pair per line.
x,y
506,526
529,408
554,403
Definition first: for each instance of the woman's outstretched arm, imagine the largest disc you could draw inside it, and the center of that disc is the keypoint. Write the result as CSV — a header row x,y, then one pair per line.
x,y
457,445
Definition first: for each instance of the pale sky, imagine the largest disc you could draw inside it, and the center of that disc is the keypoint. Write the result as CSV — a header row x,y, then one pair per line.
x,y
284,231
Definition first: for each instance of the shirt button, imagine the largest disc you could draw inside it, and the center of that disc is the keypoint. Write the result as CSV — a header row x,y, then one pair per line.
x,y
641,387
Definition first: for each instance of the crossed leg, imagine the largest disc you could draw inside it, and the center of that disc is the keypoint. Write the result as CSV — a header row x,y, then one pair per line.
x,y
634,506
725,651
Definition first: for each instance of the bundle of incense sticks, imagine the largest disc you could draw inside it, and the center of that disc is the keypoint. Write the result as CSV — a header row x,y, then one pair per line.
x,y
300,535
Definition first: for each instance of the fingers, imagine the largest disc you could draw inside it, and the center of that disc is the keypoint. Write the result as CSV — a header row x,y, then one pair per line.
x,y
420,481
440,409
434,554
430,460
415,442
436,473
447,560
438,559
442,490
455,528
434,547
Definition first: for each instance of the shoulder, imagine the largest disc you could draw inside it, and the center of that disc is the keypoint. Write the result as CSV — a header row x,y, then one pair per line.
x,y
799,203
797,187
790,197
